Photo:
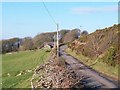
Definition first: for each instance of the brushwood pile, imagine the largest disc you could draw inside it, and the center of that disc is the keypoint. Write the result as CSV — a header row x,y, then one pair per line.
x,y
56,74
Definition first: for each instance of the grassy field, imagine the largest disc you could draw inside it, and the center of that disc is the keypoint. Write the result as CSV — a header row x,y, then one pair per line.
x,y
95,64
18,67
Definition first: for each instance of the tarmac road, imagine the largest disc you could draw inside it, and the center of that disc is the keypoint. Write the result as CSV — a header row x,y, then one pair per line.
x,y
92,79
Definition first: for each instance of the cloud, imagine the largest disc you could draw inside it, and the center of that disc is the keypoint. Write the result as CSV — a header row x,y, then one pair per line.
x,y
82,10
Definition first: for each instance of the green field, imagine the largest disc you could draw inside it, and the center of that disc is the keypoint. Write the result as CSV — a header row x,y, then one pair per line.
x,y
23,63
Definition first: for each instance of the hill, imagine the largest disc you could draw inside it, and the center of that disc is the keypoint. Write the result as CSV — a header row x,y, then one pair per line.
x,y
101,44
28,43
70,36
48,37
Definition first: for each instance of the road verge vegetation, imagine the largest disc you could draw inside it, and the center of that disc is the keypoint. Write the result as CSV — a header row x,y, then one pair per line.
x,y
96,64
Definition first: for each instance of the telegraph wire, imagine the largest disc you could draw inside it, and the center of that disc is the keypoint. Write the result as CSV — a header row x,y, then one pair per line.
x,y
56,25
49,12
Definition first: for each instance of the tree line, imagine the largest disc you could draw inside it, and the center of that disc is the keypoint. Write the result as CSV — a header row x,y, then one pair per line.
x,y
29,43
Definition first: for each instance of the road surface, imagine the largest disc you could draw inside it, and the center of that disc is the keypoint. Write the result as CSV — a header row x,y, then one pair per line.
x,y
92,79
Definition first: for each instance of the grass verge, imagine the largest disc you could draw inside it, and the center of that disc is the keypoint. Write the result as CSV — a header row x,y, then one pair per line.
x,y
96,64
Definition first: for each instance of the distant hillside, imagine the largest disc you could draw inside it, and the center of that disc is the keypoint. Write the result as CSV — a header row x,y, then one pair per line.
x,y
70,36
48,37
28,43
101,44
65,36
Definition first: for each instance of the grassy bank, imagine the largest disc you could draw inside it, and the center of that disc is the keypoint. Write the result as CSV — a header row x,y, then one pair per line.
x,y
18,67
96,64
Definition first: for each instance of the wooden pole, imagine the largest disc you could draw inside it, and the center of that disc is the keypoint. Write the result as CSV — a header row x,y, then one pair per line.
x,y
54,42
57,41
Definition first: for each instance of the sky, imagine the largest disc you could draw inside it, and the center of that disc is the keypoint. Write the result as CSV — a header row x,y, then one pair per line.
x,y
21,19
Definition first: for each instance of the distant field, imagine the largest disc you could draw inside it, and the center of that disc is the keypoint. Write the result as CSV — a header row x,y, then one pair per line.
x,y
22,63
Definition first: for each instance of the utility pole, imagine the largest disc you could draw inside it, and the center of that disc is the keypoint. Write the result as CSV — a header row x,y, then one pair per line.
x,y
54,41
79,32
57,41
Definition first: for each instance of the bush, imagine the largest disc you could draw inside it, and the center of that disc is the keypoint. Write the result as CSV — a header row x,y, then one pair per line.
x,y
109,57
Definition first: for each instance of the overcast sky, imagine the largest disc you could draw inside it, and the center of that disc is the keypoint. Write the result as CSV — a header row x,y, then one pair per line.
x,y
23,19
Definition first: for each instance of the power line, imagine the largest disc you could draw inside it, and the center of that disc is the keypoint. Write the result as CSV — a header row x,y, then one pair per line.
x,y
49,13
56,25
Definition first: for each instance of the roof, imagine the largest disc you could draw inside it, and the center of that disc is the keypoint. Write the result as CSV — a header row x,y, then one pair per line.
x,y
49,43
